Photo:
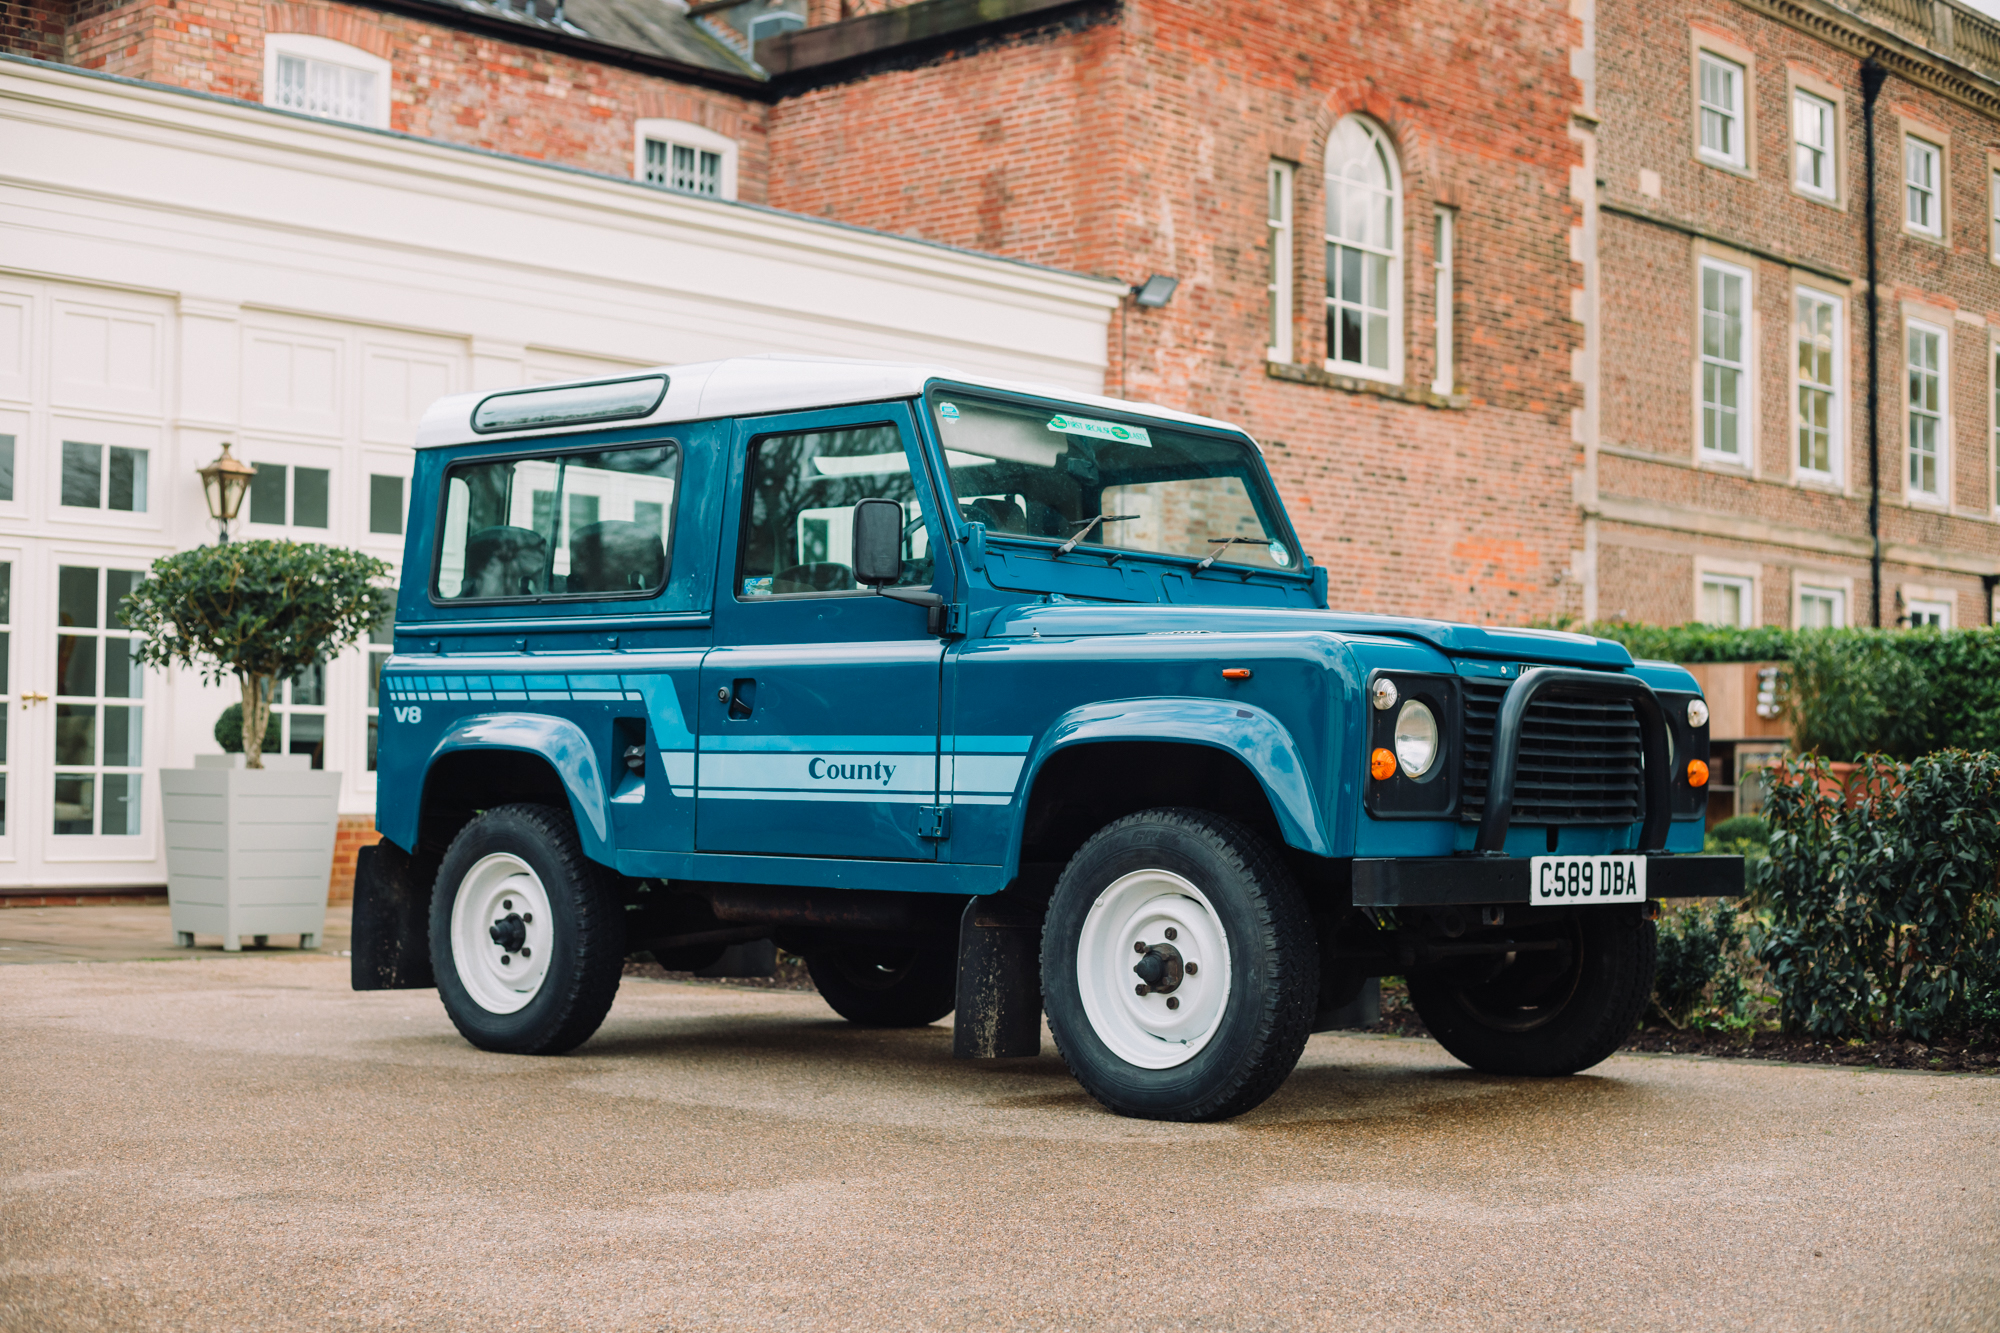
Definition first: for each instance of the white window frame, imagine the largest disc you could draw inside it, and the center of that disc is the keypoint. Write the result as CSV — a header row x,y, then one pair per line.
x,y
1837,408
1361,370
1835,594
686,134
1993,213
1942,416
1279,191
1917,149
1745,409
326,51
1803,150
1925,606
1444,232
1736,76
1745,583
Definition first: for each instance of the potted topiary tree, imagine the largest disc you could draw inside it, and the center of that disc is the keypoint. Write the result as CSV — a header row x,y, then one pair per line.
x,y
249,850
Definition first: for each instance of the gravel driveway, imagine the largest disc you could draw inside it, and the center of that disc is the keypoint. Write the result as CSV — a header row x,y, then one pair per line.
x,y
245,1143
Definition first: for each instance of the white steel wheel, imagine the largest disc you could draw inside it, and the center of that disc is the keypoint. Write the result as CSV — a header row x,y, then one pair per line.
x,y
1152,969
502,933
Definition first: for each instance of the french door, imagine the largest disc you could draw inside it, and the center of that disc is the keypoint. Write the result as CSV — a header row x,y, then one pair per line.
x,y
79,805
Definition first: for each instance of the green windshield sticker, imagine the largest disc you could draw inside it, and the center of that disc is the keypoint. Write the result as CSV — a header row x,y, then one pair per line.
x,y
1103,430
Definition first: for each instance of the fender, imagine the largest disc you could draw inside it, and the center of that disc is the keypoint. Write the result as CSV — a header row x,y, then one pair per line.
x,y
1249,733
555,739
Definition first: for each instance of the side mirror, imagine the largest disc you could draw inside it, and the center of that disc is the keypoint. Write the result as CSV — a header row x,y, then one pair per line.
x,y
878,543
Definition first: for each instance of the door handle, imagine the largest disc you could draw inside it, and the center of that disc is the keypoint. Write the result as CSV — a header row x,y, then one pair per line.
x,y
32,698
740,695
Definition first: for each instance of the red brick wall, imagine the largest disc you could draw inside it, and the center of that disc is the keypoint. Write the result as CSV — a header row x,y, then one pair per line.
x,y
34,27
446,84
1645,55
1135,140
353,833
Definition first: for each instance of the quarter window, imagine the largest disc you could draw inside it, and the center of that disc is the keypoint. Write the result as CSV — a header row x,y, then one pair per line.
x,y
1925,363
1812,143
1922,210
561,525
1817,370
1721,99
1364,304
1723,292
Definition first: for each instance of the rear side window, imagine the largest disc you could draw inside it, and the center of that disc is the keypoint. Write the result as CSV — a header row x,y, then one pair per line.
x,y
581,525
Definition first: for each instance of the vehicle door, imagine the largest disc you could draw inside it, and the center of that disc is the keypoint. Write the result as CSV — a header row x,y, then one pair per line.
x,y
819,704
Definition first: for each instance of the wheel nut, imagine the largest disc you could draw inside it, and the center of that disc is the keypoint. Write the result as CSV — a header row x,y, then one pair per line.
x,y
1173,1002
1142,989
1173,934
506,904
505,960
525,951
1138,946
1192,968
528,917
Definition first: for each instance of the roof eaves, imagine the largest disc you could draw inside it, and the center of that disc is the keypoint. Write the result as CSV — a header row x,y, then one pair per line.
x,y
730,73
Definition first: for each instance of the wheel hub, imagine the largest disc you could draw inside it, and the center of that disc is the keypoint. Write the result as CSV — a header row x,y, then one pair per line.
x,y
501,933
1153,969
510,933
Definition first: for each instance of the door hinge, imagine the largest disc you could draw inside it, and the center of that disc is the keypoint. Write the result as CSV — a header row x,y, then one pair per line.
x,y
934,821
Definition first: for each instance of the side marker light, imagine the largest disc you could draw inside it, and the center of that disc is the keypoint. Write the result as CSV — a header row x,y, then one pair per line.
x,y
1382,765
1236,673
1697,773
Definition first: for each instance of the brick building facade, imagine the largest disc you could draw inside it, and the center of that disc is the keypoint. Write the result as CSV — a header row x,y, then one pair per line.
x,y
1732,205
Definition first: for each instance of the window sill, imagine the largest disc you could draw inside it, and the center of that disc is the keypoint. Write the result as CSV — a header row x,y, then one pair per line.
x,y
1927,237
1722,164
1732,464
1824,200
1326,379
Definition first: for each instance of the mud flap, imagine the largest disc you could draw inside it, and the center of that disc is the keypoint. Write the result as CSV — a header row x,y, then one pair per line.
x,y
392,912
999,1010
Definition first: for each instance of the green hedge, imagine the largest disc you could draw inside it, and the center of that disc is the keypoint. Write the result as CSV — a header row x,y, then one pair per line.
x,y
1882,913
1855,691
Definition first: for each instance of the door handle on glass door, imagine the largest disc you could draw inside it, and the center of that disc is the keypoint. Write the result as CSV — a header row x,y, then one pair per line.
x,y
28,698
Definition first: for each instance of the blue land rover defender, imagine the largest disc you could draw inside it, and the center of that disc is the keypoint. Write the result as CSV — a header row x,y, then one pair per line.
x,y
997,700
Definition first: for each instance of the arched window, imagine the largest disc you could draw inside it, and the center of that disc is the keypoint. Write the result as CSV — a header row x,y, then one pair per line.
x,y
1364,268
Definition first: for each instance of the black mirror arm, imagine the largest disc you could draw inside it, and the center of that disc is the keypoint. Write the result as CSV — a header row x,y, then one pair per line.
x,y
939,615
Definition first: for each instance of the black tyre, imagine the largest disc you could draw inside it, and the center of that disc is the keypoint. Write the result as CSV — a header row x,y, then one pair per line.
x,y
1200,912
1547,1014
877,987
527,934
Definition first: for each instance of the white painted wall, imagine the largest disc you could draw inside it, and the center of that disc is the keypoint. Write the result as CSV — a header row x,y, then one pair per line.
x,y
178,271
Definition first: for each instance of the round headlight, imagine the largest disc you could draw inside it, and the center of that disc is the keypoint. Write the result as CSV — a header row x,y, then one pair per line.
x,y
1697,713
1383,694
1416,739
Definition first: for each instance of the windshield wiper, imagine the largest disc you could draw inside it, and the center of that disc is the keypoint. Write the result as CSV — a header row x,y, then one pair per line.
x,y
1070,545
1221,544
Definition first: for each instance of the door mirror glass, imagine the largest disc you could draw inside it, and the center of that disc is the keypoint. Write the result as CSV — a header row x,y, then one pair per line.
x,y
878,542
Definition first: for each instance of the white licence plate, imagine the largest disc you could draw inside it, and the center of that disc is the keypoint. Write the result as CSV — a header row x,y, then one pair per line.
x,y
1558,881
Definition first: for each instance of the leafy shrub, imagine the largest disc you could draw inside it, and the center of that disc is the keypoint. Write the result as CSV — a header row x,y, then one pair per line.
x,y
229,731
258,610
1851,694
1742,829
1687,643
1699,978
1883,904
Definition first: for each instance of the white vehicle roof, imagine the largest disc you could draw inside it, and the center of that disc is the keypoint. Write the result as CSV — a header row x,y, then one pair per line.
x,y
758,385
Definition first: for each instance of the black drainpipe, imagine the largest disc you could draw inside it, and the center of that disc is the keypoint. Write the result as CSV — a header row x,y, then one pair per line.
x,y
1872,78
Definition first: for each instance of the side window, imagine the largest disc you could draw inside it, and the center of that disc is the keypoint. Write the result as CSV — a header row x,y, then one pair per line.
x,y
797,534
562,525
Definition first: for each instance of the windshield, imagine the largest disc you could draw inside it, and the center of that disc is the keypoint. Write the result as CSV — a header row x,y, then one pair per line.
x,y
1054,475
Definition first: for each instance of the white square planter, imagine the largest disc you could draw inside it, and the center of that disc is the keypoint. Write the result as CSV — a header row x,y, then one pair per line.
x,y
248,852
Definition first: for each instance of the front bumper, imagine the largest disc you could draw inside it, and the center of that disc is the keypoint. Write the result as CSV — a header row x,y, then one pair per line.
x,y
1472,881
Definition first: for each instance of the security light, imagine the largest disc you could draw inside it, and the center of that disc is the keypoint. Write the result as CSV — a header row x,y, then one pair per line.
x,y
1155,291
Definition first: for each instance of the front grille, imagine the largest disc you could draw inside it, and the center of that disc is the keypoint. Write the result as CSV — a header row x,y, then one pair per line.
x,y
1581,758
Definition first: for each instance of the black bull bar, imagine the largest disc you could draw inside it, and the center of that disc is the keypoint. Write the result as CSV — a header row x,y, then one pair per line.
x,y
1489,876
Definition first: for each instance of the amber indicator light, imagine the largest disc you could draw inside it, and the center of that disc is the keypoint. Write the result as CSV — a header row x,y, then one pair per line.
x,y
1382,765
1236,673
1697,773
